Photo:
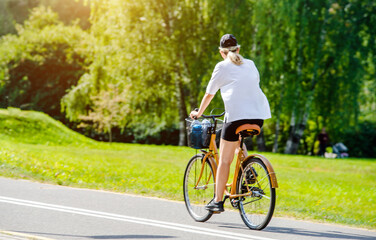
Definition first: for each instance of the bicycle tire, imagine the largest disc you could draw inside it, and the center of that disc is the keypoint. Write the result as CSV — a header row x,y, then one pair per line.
x,y
196,198
257,210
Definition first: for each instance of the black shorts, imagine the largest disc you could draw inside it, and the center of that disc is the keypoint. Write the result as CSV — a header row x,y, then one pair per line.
x,y
229,129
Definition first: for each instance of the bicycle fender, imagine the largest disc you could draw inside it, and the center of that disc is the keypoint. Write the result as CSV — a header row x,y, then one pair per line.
x,y
273,177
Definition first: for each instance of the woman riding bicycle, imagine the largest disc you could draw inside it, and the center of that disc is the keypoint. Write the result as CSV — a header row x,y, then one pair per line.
x,y
245,103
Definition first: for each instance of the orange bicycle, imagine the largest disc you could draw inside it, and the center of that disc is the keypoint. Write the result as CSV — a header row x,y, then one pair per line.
x,y
252,190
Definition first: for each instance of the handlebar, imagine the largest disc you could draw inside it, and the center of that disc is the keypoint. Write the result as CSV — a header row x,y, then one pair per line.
x,y
211,116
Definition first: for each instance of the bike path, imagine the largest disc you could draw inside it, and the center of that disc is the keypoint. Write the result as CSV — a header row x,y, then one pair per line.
x,y
56,212
6,235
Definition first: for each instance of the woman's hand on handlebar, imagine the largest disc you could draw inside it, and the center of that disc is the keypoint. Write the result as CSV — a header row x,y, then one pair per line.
x,y
194,114
204,103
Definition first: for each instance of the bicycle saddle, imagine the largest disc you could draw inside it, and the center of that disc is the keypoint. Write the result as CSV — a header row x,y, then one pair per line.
x,y
247,130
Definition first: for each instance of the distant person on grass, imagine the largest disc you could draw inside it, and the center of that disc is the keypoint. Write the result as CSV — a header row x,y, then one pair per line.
x,y
324,141
245,103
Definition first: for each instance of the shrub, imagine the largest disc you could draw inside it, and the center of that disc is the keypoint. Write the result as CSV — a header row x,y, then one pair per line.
x,y
361,141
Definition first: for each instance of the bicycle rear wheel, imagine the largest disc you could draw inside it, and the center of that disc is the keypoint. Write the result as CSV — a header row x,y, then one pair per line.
x,y
198,191
255,210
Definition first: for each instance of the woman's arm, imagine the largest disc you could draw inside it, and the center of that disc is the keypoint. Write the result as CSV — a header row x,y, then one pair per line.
x,y
204,104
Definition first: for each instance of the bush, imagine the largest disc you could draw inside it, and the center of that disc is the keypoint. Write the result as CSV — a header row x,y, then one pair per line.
x,y
361,140
40,63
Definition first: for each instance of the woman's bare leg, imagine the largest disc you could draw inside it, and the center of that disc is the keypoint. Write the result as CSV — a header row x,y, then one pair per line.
x,y
245,152
226,151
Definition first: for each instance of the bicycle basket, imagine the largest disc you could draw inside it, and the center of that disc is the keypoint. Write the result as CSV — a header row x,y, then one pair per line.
x,y
198,133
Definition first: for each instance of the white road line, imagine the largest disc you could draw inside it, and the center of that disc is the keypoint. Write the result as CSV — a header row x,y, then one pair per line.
x,y
21,236
124,218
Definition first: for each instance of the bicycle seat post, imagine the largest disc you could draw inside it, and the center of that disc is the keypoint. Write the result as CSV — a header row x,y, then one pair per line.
x,y
247,130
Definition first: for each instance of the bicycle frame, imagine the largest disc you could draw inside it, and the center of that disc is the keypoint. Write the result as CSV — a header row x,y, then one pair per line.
x,y
212,157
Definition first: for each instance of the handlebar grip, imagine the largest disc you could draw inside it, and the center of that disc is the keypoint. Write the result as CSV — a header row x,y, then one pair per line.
x,y
196,109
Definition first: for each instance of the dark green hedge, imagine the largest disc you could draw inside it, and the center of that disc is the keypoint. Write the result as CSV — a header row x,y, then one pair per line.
x,y
361,141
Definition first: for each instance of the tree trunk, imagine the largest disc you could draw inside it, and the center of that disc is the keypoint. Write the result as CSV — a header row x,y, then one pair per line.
x,y
291,141
312,150
167,18
182,113
305,146
261,147
292,138
110,134
277,126
296,132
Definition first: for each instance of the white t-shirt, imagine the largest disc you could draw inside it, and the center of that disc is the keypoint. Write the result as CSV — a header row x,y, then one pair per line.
x,y
240,90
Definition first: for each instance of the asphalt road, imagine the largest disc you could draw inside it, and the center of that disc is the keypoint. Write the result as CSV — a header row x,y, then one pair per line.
x,y
30,210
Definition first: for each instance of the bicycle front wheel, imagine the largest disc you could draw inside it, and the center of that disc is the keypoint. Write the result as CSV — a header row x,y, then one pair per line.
x,y
257,209
198,187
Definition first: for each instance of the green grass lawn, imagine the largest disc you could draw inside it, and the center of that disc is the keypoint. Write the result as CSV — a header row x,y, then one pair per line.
x,y
34,146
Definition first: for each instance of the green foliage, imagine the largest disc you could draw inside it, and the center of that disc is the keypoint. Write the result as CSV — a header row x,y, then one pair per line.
x,y
361,140
107,109
6,24
17,11
316,60
311,55
40,18
40,63
14,11
70,11
146,39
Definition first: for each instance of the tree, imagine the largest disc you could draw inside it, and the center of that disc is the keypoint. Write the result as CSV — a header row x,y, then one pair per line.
x,y
40,63
17,11
297,46
316,60
161,77
106,111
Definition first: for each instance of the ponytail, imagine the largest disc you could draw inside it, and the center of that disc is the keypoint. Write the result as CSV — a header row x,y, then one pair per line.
x,y
231,53
236,58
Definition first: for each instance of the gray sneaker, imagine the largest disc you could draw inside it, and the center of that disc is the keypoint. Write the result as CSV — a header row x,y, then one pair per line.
x,y
215,206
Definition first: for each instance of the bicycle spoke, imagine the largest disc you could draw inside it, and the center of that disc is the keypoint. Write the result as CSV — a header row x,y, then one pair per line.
x,y
198,188
256,210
